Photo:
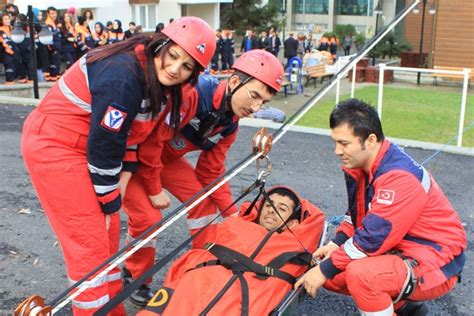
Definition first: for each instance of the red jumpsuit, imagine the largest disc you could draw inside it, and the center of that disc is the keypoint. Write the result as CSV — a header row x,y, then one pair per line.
x,y
190,285
397,211
75,144
169,169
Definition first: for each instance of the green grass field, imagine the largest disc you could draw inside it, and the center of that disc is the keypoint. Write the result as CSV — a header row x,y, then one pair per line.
x,y
429,116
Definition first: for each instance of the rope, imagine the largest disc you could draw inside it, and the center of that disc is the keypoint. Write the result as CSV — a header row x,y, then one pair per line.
x,y
449,142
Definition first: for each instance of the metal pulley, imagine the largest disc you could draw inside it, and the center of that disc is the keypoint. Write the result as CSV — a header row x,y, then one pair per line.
x,y
33,306
262,142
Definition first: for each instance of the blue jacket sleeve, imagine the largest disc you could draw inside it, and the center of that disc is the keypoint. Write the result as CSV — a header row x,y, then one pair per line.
x,y
115,103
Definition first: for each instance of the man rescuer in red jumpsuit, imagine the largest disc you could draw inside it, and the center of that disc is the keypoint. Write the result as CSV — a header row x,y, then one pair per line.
x,y
213,129
401,242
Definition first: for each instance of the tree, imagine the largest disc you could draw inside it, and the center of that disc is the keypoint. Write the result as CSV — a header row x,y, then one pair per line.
x,y
341,30
247,14
389,47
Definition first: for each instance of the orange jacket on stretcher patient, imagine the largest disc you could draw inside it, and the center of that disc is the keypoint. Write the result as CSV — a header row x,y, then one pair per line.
x,y
196,282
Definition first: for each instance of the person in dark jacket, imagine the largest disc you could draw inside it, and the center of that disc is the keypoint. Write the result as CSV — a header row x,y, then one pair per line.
x,y
217,53
262,42
249,42
68,40
116,34
274,43
101,36
25,70
291,48
54,49
132,30
228,50
9,50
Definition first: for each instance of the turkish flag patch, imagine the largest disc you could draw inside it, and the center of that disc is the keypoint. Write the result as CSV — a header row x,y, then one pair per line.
x,y
113,119
385,196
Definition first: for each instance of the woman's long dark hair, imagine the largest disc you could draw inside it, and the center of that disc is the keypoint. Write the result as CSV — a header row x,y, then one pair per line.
x,y
154,88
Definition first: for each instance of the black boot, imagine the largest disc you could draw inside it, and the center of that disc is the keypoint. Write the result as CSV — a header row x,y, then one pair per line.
x,y
412,308
126,277
141,296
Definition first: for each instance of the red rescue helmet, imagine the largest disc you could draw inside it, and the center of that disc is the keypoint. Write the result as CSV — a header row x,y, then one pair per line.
x,y
195,36
262,66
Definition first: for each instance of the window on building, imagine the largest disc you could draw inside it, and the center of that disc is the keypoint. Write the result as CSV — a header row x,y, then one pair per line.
x,y
310,6
354,7
145,15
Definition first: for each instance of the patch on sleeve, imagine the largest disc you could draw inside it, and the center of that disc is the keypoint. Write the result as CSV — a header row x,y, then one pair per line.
x,y
385,196
113,119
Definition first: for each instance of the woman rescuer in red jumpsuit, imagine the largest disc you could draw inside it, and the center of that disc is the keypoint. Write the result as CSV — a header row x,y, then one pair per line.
x,y
213,129
83,136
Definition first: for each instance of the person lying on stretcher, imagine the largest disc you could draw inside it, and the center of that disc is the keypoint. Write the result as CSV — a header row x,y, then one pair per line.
x,y
249,263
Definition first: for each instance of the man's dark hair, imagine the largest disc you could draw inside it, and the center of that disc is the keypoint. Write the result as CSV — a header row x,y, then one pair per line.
x,y
51,9
360,116
132,23
159,27
292,196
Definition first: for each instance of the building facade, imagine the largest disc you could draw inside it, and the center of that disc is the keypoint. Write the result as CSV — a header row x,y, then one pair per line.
x,y
447,34
319,16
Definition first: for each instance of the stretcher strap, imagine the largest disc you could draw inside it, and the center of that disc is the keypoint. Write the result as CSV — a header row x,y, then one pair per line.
x,y
234,277
244,288
218,296
298,258
238,262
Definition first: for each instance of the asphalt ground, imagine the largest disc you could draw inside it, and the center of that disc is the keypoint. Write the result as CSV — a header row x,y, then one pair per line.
x,y
31,261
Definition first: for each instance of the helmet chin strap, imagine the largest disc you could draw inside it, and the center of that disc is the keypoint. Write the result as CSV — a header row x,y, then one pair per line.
x,y
230,93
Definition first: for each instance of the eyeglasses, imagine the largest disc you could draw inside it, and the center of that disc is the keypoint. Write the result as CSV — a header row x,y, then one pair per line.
x,y
255,99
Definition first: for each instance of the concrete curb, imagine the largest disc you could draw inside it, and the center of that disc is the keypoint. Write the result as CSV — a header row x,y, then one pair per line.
x,y
258,123
19,101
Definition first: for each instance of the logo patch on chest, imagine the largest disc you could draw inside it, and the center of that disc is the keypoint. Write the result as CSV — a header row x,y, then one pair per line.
x,y
113,119
178,143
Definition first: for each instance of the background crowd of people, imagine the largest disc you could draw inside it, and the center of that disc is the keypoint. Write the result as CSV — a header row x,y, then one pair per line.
x,y
270,41
73,34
